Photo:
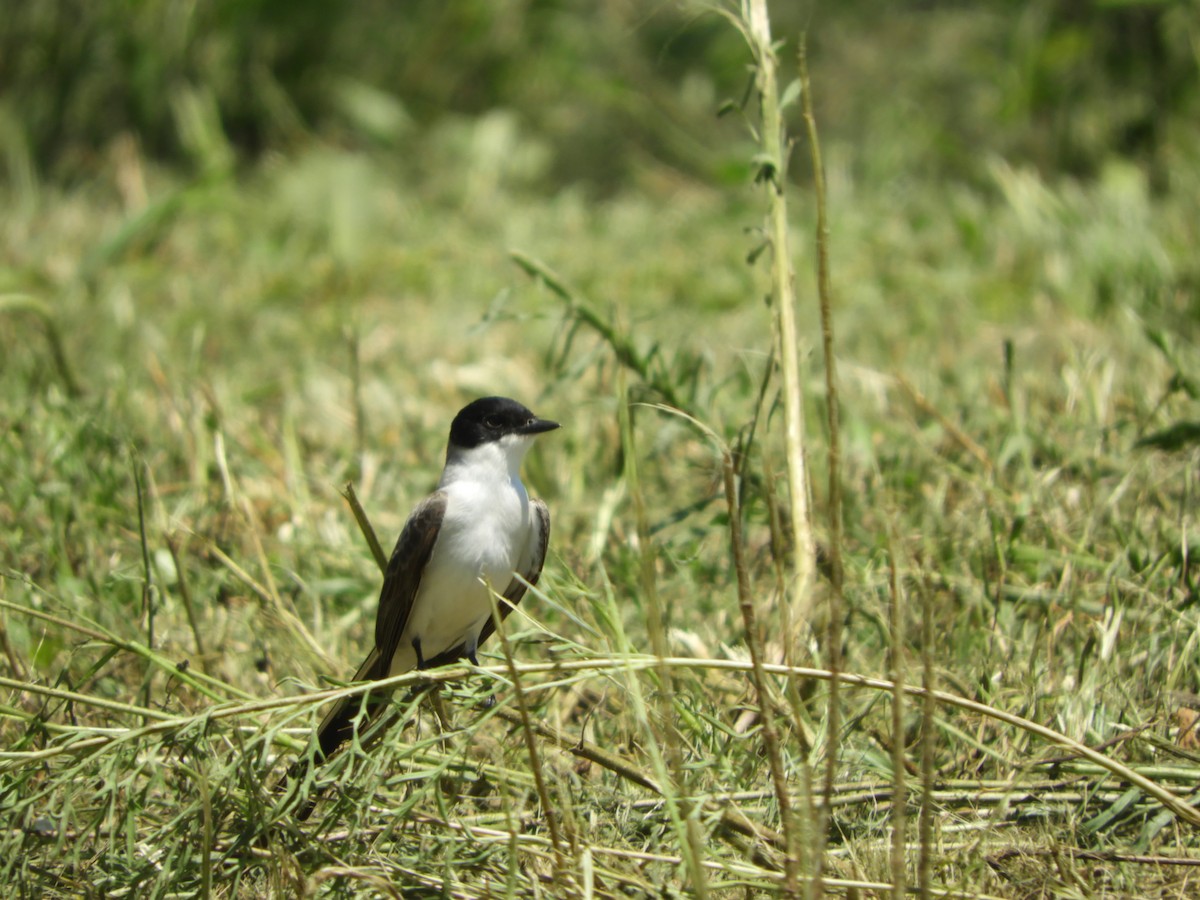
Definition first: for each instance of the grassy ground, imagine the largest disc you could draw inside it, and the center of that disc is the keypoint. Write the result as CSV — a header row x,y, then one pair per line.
x,y
179,572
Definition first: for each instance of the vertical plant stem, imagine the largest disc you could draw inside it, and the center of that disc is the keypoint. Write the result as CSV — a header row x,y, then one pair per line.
x,y
188,607
364,525
690,853
207,830
690,838
783,289
925,823
656,618
15,664
797,605
360,416
30,304
531,744
836,572
899,788
791,876
147,582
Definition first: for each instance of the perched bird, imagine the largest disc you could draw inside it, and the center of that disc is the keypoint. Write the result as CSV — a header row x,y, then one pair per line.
x,y
478,528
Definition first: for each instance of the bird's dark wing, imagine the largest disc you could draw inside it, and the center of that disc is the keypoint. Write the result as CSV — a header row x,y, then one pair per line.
x,y
403,575
530,571
400,583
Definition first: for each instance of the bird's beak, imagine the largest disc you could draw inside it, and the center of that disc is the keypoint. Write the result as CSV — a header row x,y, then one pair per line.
x,y
537,426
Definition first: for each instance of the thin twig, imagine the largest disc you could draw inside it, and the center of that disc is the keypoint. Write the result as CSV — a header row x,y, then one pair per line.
x,y
681,805
14,661
360,414
754,644
34,306
833,649
1092,856
965,440
188,607
899,763
271,599
527,730
925,858
364,525
147,578
147,582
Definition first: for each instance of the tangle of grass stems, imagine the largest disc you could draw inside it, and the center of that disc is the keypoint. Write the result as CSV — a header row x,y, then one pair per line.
x,y
567,672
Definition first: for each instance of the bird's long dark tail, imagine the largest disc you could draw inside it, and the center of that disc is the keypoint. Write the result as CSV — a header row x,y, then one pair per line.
x,y
336,728
338,725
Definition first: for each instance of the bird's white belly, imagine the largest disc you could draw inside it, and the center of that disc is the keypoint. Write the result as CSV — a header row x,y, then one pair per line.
x,y
483,536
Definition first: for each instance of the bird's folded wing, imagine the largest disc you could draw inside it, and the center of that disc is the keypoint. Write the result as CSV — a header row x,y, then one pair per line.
x,y
403,575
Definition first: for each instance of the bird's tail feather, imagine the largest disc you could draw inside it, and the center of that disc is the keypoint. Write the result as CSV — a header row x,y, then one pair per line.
x,y
338,724
337,727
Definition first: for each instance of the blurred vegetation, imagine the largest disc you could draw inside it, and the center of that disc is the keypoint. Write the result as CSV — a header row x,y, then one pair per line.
x,y
1061,83
254,250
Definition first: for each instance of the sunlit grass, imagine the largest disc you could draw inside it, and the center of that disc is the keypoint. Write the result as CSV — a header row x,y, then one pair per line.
x,y
1002,347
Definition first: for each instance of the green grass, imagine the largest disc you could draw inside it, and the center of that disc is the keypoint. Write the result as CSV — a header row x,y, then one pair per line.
x,y
180,573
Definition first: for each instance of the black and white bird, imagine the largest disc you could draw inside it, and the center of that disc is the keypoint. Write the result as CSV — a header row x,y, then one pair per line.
x,y
473,534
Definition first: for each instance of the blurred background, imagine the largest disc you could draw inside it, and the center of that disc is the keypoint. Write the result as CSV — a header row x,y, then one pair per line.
x,y
252,250
597,93
293,220
281,231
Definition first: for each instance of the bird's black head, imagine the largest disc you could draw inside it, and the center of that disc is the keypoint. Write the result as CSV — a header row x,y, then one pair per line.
x,y
492,418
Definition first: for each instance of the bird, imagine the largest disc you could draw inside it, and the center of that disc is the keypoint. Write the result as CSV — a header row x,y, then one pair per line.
x,y
477,531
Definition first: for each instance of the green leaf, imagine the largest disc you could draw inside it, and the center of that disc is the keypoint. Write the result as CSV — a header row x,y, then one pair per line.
x,y
1118,810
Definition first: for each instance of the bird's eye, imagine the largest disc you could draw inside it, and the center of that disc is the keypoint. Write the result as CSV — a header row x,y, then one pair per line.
x,y
492,422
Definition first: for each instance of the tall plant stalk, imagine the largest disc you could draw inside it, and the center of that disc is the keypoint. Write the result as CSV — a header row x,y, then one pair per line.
x,y
833,638
773,161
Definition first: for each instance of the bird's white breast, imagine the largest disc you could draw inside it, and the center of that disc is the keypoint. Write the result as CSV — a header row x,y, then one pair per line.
x,y
485,532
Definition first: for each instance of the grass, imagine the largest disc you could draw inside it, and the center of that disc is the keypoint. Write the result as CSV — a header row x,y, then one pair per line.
x,y
194,368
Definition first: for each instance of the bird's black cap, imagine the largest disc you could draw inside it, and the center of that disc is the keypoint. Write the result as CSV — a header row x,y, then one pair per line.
x,y
491,418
